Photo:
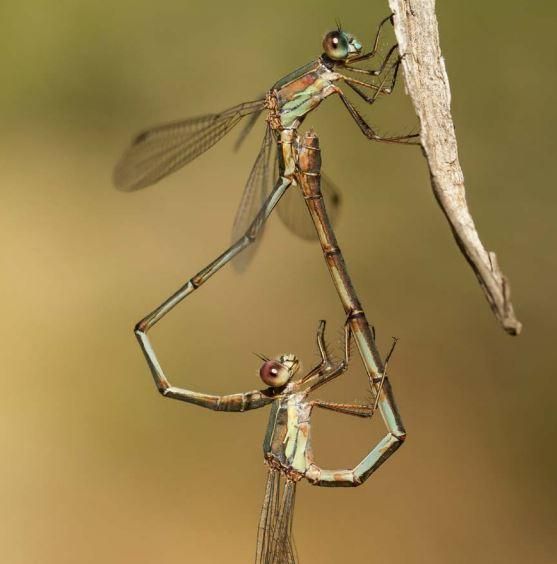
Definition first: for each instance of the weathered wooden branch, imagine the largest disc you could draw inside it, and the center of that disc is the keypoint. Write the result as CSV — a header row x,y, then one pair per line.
x,y
427,83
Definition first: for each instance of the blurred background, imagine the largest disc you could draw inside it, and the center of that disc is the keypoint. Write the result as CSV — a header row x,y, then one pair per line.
x,y
97,467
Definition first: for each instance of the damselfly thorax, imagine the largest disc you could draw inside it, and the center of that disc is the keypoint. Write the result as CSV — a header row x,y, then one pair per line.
x,y
296,95
290,100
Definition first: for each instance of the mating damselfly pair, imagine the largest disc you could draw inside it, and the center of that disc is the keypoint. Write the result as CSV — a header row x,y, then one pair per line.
x,y
286,159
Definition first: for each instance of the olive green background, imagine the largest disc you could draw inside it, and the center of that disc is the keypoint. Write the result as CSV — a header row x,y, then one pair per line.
x,y
96,466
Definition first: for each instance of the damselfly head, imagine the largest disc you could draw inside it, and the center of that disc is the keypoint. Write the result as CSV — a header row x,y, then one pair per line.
x,y
340,45
278,372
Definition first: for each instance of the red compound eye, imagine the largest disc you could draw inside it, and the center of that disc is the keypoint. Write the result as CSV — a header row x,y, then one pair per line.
x,y
274,374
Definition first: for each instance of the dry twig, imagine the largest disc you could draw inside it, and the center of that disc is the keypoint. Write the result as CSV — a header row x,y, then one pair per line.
x,y
428,85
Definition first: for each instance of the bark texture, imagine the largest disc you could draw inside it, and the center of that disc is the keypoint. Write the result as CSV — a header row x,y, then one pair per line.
x,y
427,83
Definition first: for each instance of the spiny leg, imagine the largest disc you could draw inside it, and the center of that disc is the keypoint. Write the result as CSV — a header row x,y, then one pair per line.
x,y
359,410
326,370
381,89
195,282
323,353
372,72
372,53
396,435
353,84
384,375
366,128
322,344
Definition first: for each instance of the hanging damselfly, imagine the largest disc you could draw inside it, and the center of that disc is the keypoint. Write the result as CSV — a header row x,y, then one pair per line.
x,y
287,445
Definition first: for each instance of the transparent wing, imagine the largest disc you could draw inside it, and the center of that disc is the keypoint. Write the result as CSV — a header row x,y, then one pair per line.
x,y
159,151
275,543
294,214
261,181
247,128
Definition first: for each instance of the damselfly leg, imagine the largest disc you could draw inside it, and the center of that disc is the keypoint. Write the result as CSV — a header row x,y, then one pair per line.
x,y
368,131
373,52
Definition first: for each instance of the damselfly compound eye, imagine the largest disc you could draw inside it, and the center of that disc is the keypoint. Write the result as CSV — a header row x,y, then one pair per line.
x,y
274,374
335,45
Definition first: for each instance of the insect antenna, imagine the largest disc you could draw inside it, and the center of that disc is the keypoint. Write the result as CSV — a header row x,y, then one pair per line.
x,y
261,356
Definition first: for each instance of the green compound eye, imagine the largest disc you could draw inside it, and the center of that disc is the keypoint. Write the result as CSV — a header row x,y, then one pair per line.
x,y
335,45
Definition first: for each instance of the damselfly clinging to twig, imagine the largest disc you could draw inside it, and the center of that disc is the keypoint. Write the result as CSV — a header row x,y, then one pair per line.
x,y
159,151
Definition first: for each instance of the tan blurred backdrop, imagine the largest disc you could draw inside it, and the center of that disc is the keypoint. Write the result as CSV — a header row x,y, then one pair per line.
x,y
96,466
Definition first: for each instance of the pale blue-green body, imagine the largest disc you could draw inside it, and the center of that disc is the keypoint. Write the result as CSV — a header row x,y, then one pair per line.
x,y
301,91
287,443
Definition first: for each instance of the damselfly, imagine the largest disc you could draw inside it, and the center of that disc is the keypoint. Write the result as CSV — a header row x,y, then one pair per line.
x,y
287,445
159,151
